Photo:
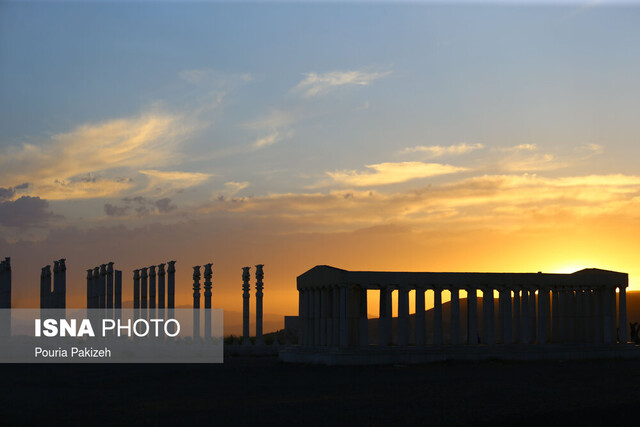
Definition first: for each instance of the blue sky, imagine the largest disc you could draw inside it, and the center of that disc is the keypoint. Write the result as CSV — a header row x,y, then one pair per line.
x,y
330,117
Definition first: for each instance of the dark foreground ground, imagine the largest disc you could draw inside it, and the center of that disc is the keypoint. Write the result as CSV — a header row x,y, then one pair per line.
x,y
263,391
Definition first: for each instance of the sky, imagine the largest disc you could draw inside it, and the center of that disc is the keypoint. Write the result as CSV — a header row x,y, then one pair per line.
x,y
365,135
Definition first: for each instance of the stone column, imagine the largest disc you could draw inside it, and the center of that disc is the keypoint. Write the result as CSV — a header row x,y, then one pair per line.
x,y
437,316
259,287
403,315
420,318
335,312
588,316
612,300
45,287
608,316
316,317
525,330
533,328
507,332
455,316
89,286
556,336
53,298
301,316
102,286
384,323
596,297
488,326
363,329
118,290
143,292
109,286
329,313
95,291
324,303
516,316
208,273
622,315
196,302
161,282
472,316
136,289
152,290
543,316
571,317
171,286
62,294
344,315
246,287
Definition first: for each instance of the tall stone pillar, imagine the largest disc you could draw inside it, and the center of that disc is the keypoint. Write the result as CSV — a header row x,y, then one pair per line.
x,y
588,316
301,317
259,295
245,307
171,287
89,286
421,336
196,302
143,292
62,294
95,288
335,303
384,323
102,286
45,287
110,286
455,316
363,328
516,316
53,298
152,289
437,316
316,317
118,290
571,324
507,331
344,315
403,315
608,316
622,315
488,326
532,317
555,317
596,297
161,284
324,303
501,317
612,300
208,274
136,289
472,316
525,330
543,316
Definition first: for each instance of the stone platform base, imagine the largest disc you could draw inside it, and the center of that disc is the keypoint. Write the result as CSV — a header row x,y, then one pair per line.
x,y
374,355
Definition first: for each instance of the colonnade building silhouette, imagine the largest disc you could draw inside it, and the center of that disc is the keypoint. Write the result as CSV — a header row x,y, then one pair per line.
x,y
532,309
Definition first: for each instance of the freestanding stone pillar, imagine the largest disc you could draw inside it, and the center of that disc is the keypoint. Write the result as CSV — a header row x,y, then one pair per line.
x,y
103,286
171,286
89,286
110,286
259,287
118,290
136,289
246,287
196,302
208,273
363,328
152,289
53,296
143,292
95,291
161,284
45,287
58,295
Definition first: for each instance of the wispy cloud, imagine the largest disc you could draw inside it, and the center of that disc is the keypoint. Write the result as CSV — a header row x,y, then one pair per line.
x,y
433,151
317,84
163,182
274,127
59,167
391,173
